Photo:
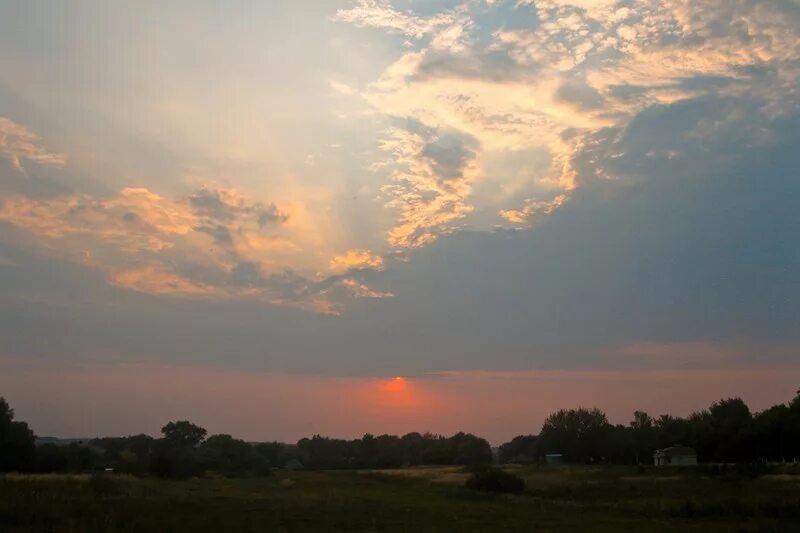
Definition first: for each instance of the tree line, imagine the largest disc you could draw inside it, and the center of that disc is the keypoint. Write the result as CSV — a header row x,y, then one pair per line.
x,y
726,432
185,449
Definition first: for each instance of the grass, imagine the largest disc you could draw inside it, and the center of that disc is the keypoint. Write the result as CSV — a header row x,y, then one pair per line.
x,y
419,499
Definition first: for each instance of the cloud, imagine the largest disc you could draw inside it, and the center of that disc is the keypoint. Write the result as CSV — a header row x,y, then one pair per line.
x,y
321,294
212,243
342,88
157,279
585,68
18,144
381,14
432,174
533,209
576,86
356,259
227,205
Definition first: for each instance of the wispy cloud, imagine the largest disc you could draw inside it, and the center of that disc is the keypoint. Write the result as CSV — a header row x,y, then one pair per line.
x,y
381,14
19,144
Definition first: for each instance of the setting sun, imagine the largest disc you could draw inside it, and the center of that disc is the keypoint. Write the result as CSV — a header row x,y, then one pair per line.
x,y
395,384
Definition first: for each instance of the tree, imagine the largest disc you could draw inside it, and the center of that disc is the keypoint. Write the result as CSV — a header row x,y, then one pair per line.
x,y
795,403
723,431
17,442
175,455
671,431
183,434
771,433
521,449
226,455
471,450
576,433
643,435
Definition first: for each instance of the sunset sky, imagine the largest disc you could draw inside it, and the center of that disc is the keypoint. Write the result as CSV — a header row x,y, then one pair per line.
x,y
255,215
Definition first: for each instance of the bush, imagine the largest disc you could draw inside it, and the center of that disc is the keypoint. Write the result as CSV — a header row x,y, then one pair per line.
x,y
753,470
492,479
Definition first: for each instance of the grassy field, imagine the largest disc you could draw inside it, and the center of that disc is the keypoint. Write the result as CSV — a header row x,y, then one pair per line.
x,y
420,499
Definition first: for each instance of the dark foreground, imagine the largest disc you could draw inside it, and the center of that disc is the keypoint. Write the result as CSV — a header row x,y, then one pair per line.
x,y
432,499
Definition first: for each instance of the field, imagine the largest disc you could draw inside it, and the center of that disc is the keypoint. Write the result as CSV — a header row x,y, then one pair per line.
x,y
420,499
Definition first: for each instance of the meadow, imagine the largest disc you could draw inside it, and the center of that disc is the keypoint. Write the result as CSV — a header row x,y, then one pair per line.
x,y
558,498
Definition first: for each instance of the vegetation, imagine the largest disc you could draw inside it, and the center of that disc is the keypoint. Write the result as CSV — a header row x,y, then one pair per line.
x,y
565,498
188,481
490,479
17,450
726,432
184,451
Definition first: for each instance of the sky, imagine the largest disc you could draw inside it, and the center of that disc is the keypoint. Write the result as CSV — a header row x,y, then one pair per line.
x,y
257,215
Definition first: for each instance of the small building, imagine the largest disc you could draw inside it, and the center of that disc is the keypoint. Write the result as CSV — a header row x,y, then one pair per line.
x,y
675,456
553,459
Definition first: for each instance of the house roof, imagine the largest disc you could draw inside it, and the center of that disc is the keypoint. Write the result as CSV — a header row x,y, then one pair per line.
x,y
678,450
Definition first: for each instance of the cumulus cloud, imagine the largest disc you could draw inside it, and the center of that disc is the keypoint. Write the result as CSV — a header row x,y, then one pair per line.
x,y
586,67
465,93
19,144
211,243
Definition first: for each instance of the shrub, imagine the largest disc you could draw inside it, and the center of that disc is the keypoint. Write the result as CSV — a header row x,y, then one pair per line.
x,y
753,470
492,479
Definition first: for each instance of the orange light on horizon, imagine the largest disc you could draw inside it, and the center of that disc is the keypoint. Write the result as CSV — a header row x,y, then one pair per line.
x,y
395,384
398,392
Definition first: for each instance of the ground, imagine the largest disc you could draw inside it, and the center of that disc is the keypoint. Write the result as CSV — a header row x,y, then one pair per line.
x,y
420,499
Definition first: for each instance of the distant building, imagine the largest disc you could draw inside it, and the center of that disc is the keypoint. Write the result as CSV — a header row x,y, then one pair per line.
x,y
553,459
675,456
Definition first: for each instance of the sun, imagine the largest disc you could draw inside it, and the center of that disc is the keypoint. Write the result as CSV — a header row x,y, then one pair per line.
x,y
395,384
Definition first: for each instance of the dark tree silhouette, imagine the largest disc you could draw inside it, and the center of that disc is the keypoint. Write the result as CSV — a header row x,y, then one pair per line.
x,y
183,434
578,434
521,449
17,442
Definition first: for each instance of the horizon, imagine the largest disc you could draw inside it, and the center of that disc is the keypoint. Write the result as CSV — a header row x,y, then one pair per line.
x,y
383,216
383,407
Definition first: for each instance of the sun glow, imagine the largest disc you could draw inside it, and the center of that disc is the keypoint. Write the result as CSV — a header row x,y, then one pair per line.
x,y
400,392
395,384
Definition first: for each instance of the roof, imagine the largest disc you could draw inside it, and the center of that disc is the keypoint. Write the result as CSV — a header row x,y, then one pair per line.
x,y
677,450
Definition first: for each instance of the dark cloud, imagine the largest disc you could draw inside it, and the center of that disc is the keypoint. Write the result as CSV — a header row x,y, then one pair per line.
x,y
224,206
581,95
449,153
270,214
209,203
481,65
221,234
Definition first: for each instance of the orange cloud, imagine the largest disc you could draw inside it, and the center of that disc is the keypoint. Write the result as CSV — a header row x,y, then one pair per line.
x,y
155,279
356,259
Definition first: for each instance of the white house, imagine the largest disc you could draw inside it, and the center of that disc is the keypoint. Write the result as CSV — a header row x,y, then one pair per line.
x,y
675,456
